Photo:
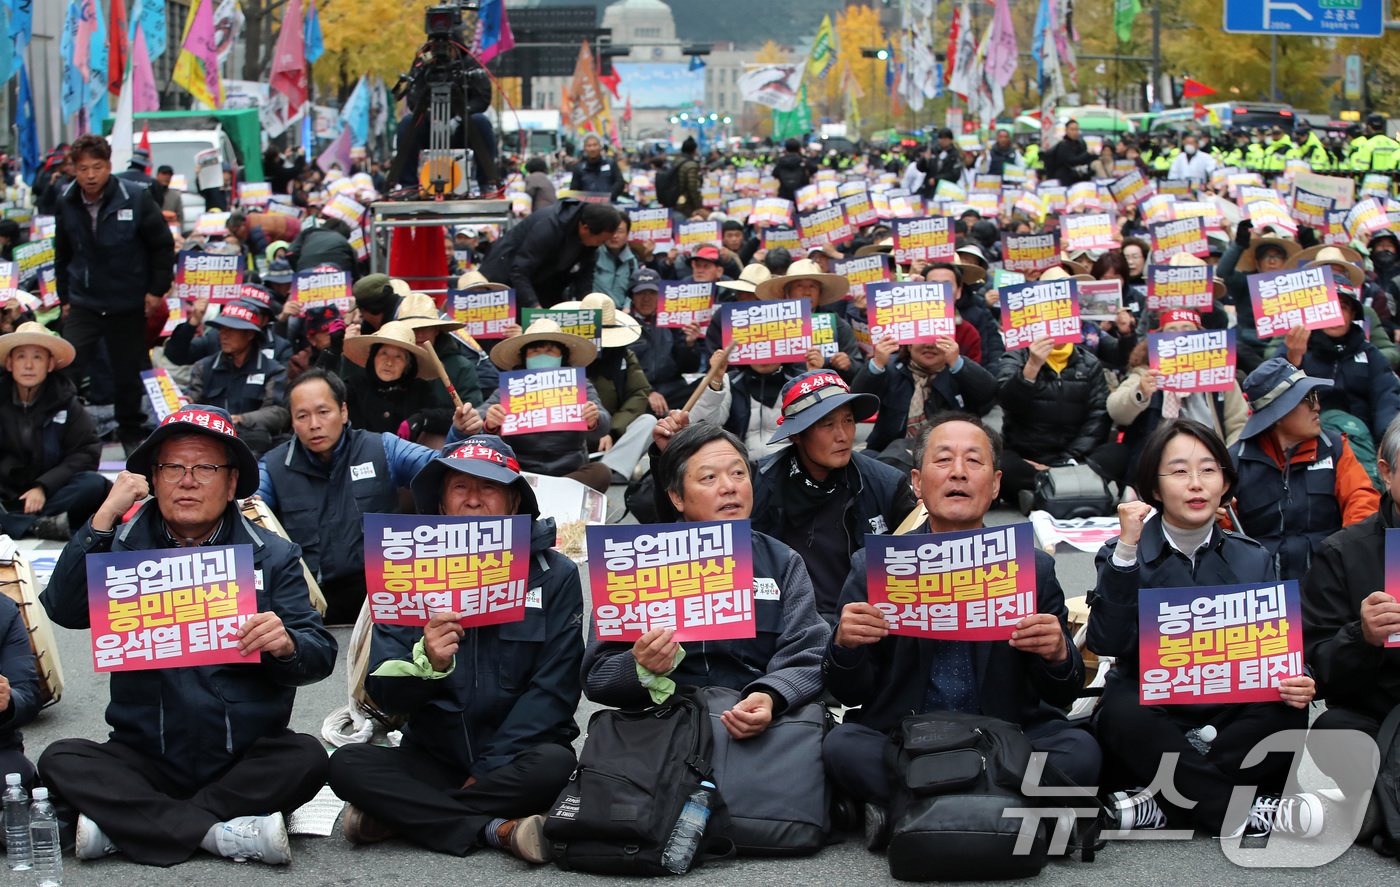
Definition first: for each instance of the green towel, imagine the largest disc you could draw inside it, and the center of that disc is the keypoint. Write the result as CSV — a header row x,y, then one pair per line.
x,y
658,685
419,667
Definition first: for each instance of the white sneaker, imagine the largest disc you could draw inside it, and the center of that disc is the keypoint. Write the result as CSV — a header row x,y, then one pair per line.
x,y
1300,816
263,838
1137,810
90,842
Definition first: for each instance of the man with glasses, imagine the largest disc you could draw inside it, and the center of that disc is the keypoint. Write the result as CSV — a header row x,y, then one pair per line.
x,y
199,756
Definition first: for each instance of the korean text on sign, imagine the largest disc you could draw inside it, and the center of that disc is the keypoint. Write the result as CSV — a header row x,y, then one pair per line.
x,y
696,578
32,256
1282,300
824,334
910,312
1030,311
863,271
170,607
824,226
1180,286
1228,643
767,332
419,565
583,322
211,276
651,225
165,395
930,239
973,585
1202,360
690,236
1088,231
682,304
543,400
1180,236
485,313
1030,252
323,286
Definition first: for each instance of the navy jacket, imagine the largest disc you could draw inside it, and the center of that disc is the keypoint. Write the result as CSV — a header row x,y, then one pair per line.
x,y
1289,511
600,177
543,258
971,390
130,254
199,721
664,356
183,348
18,666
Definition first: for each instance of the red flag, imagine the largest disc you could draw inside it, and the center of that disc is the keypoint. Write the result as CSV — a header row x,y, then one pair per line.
x,y
289,58
1191,89
952,61
1198,110
627,112
116,47
611,81
145,143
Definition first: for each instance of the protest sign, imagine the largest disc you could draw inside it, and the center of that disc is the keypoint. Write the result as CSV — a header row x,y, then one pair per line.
x,y
1203,360
543,400
1392,575
821,227
1083,198
904,205
974,585
1088,231
771,211
254,195
787,238
858,208
212,224
862,272
1335,232
417,566
1157,209
808,197
683,304
1100,299
739,209
1030,252
1031,311
860,328
484,313
1204,210
930,239
1224,643
1175,187
1284,299
1180,286
1131,188
651,225
165,395
214,276
323,285
696,578
582,322
48,288
1366,218
1179,236
690,236
767,332
32,256
170,607
910,312
824,334
1310,209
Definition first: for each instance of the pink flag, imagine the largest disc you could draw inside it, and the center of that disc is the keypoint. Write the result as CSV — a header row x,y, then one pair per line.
x,y
87,25
1001,49
144,96
338,152
289,59
203,43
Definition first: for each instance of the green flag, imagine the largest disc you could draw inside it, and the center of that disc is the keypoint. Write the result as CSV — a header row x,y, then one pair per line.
x,y
795,123
1124,13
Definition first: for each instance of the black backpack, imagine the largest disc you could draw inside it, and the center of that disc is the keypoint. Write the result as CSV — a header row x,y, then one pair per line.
x,y
635,774
668,184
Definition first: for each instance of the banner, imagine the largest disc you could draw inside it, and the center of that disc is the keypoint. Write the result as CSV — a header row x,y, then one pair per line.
x,y
170,607
1284,299
419,565
1031,311
1180,286
581,322
543,400
1088,231
690,236
165,395
485,313
651,225
975,585
929,238
1180,236
767,332
773,86
214,276
30,257
1030,252
696,578
1226,643
910,312
683,304
824,226
862,272
1100,299
1203,360
323,285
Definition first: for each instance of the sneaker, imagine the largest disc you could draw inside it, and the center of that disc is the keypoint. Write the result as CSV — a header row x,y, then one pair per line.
x,y
1299,815
359,827
263,838
877,828
1136,810
90,842
524,839
54,527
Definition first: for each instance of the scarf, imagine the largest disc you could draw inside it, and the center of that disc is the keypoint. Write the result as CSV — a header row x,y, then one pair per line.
x,y
916,420
1059,357
804,496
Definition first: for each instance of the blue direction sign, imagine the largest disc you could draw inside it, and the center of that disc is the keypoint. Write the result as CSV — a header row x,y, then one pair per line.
x,y
1311,18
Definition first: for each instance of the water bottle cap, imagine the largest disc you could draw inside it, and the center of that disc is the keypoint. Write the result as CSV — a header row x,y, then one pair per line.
x,y
706,784
41,794
1207,733
13,779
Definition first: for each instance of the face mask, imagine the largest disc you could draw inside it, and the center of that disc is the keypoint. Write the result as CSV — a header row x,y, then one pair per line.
x,y
1383,257
543,362
1189,149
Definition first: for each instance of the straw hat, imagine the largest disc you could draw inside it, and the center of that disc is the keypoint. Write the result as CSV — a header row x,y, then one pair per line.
x,y
1189,260
834,286
882,246
419,311
749,279
395,333
400,287
32,333
1247,261
1341,258
475,280
968,272
1058,272
619,330
1072,265
509,354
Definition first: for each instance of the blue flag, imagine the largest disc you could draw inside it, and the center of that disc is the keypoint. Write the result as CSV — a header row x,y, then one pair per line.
x,y
8,58
97,69
1042,24
355,114
696,63
21,23
311,36
889,67
28,132
149,16
307,137
70,97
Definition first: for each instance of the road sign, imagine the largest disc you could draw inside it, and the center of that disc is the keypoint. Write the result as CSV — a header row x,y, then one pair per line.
x,y
1306,18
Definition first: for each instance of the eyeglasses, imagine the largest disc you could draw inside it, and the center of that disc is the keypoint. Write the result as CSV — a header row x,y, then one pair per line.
x,y
1204,473
1311,398
174,472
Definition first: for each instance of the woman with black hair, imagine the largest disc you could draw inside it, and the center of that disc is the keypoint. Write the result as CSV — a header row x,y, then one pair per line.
x,y
394,393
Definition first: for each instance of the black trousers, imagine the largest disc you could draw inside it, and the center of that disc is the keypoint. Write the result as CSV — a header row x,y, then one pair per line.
x,y
125,338
345,595
153,817
79,499
1135,736
855,758
423,801
1350,774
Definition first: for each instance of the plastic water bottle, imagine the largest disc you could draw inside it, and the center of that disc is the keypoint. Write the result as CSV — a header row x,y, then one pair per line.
x,y
685,837
16,824
1201,738
43,835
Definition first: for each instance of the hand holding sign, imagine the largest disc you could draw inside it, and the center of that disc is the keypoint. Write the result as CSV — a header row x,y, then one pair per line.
x,y
1041,634
656,651
441,637
1380,618
860,624
1297,692
265,633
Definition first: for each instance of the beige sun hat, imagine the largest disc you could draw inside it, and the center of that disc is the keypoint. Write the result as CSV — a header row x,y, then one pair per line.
x,y
885,246
749,279
619,330
32,333
1342,258
1188,260
1058,272
475,280
396,334
419,311
1248,263
508,354
400,287
834,286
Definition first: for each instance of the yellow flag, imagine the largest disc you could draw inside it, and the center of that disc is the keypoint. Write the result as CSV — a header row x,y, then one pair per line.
x,y
197,68
823,54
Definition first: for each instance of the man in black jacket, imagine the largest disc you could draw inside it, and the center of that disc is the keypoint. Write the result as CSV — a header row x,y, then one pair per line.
x,y
326,244
1027,681
551,252
114,259
1070,155
790,171
595,173
943,163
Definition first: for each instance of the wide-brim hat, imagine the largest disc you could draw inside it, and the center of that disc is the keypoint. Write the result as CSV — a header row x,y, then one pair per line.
x,y
210,421
238,316
1193,261
1073,265
834,286
749,279
400,287
508,354
619,330
1059,272
475,280
395,334
33,333
1273,390
280,271
420,312
968,273
1248,262
1344,258
880,246
814,394
483,455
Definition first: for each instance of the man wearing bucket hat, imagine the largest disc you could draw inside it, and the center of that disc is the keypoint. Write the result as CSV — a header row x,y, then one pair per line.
x,y
242,380
49,449
665,353
1298,484
430,330
510,689
213,764
195,338
819,490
